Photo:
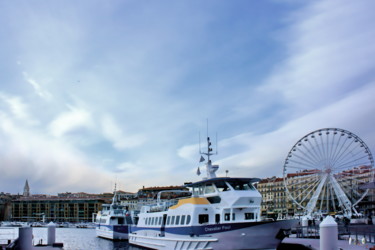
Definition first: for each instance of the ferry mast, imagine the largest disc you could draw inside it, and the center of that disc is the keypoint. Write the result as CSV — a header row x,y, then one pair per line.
x,y
210,169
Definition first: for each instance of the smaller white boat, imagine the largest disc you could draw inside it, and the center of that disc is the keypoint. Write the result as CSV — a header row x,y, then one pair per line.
x,y
113,221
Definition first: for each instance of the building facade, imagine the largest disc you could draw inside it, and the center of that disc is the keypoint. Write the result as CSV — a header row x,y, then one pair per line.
x,y
56,209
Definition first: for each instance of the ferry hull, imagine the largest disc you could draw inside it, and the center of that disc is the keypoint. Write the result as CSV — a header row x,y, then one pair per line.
x,y
257,235
113,232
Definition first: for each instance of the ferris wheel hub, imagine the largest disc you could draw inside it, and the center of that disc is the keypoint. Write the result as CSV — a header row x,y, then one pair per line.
x,y
328,170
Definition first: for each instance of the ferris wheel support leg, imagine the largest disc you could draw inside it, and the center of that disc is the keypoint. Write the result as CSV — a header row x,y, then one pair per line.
x,y
344,201
312,203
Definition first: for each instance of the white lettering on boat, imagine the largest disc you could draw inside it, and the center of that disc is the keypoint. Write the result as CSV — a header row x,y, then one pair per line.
x,y
217,228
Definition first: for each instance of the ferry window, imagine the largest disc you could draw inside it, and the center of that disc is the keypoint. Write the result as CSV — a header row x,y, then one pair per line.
x,y
209,189
249,216
121,220
233,216
146,221
177,220
160,218
172,220
188,219
183,219
221,186
152,221
214,199
203,218
129,220
168,220
217,218
227,216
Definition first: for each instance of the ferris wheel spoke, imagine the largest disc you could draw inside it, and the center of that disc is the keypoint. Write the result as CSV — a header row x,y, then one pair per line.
x,y
300,163
305,187
343,153
337,146
352,160
351,164
313,186
317,147
316,153
310,154
351,155
305,156
338,153
331,148
302,158
323,148
320,149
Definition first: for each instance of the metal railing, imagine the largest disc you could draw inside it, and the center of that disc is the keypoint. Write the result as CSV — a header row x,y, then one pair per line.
x,y
345,232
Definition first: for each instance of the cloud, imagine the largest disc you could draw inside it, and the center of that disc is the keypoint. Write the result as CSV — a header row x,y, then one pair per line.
x,y
69,121
50,164
329,54
114,133
18,108
37,88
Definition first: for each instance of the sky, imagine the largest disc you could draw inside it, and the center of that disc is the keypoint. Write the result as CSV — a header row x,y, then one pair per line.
x,y
94,93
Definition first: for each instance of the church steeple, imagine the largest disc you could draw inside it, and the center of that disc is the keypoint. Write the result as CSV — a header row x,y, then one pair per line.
x,y
26,189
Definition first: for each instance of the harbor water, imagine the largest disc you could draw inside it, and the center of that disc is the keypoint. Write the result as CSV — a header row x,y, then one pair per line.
x,y
78,239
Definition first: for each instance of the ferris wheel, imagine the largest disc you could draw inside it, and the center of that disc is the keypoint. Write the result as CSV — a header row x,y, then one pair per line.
x,y
325,169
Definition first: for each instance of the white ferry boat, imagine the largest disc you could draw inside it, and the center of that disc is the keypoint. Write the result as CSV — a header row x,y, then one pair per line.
x,y
222,213
113,221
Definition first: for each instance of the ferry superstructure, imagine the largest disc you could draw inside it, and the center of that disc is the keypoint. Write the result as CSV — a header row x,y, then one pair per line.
x,y
221,213
113,221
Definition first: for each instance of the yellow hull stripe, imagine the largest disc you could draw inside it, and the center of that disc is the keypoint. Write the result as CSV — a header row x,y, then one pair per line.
x,y
194,200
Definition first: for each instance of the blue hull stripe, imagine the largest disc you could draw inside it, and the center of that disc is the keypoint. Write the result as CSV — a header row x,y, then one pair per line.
x,y
203,229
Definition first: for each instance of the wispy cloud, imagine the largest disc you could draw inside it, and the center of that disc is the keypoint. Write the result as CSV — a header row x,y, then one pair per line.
x,y
113,132
37,87
18,108
69,121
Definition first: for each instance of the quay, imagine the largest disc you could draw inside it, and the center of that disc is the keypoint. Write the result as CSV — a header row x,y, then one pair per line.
x,y
25,239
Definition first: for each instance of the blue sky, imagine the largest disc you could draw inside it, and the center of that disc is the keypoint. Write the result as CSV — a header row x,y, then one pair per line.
x,y
93,92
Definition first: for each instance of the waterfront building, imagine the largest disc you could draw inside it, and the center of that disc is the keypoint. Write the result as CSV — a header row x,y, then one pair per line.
x,y
54,208
274,200
5,206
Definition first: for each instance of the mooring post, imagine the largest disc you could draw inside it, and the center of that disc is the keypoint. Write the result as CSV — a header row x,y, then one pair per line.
x,y
304,224
51,237
328,234
25,238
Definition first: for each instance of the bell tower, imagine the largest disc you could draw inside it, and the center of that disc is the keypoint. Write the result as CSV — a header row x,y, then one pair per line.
x,y
26,189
